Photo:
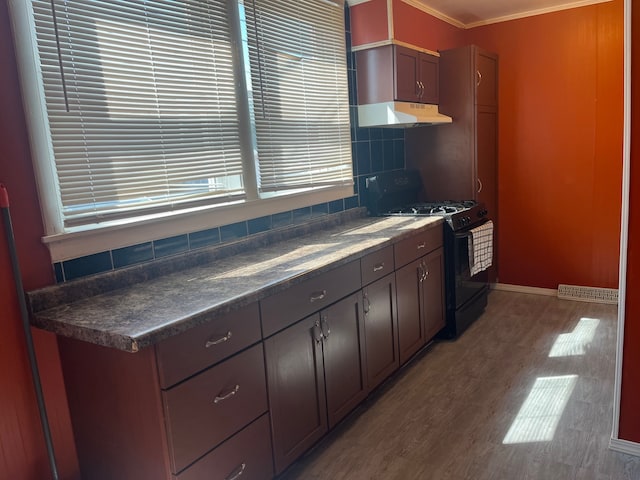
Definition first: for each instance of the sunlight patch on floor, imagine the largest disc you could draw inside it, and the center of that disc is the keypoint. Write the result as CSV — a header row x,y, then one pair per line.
x,y
539,415
576,342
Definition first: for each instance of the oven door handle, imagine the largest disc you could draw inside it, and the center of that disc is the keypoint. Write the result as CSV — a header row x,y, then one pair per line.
x,y
467,233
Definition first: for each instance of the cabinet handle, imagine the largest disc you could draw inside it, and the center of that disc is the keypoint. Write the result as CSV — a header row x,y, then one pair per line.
x,y
479,185
315,296
222,398
479,78
317,332
225,338
378,267
324,327
233,475
421,245
366,303
421,89
417,89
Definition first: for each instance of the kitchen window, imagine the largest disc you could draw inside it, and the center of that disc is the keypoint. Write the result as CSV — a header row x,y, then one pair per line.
x,y
157,117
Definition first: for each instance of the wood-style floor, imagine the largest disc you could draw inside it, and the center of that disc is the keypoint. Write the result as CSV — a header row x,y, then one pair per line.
x,y
525,393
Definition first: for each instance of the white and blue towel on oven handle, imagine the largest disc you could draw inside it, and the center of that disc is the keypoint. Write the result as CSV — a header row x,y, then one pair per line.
x,y
481,247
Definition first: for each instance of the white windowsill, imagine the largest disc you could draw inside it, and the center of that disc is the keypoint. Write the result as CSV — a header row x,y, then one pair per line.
x,y
80,243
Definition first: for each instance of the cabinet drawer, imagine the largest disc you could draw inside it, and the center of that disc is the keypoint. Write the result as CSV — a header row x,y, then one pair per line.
x,y
212,406
417,245
202,346
376,265
246,455
284,308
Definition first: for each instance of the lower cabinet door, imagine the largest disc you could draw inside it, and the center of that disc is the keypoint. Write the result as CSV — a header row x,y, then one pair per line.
x,y
295,384
411,334
380,330
246,455
433,293
343,348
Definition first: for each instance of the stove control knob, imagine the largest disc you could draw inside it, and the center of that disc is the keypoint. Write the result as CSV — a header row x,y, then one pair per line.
x,y
482,213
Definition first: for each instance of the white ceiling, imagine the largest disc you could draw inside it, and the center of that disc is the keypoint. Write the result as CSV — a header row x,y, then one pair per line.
x,y
471,13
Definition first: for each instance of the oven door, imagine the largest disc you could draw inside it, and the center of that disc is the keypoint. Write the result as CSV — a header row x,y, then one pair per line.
x,y
466,286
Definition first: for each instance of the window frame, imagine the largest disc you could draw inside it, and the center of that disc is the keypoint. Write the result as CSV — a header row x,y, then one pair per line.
x,y
65,243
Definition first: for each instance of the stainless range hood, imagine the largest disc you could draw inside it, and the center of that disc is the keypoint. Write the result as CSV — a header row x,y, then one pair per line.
x,y
400,115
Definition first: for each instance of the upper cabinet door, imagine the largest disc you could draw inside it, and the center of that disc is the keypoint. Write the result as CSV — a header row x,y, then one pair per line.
x,y
407,69
486,78
395,73
428,79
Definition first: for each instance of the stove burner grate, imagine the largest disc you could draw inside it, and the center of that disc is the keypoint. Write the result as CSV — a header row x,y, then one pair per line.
x,y
433,208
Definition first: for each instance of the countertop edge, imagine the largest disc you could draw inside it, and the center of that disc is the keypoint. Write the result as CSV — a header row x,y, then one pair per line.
x,y
50,319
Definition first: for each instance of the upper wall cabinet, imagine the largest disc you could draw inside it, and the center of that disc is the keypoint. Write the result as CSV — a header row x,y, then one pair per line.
x,y
396,73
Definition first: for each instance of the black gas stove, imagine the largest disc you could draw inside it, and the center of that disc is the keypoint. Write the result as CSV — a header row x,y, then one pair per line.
x,y
457,214
397,194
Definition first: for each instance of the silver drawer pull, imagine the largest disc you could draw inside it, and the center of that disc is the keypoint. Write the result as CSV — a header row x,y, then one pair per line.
x,y
315,296
421,245
222,398
211,343
233,475
378,267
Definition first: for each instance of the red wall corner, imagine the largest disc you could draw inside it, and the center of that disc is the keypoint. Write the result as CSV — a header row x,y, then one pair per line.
x,y
22,447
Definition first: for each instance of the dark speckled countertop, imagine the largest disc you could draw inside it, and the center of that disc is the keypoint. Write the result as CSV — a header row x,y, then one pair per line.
x,y
140,306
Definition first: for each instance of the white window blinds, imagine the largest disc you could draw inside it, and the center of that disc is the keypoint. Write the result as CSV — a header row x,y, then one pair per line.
x,y
158,106
300,96
142,106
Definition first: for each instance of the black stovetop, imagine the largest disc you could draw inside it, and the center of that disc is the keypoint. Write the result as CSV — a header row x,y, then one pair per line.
x,y
397,194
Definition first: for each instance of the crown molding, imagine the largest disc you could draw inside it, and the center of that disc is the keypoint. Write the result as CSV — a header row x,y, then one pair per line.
x,y
434,13
532,13
420,5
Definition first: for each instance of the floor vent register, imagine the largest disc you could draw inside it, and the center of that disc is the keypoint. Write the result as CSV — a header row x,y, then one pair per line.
x,y
588,294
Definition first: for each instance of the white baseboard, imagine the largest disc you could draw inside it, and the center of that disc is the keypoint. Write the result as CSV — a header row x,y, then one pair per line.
x,y
625,446
549,292
566,292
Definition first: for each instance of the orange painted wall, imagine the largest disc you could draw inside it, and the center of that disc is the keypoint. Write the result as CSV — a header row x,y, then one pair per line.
x,y
629,413
560,141
417,28
22,447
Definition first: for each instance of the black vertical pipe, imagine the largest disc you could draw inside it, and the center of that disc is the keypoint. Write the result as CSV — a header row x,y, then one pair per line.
x,y
35,375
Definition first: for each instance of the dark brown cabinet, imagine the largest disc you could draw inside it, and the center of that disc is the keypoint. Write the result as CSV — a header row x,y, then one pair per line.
x,y
420,291
393,72
416,76
411,334
460,160
380,329
343,354
173,410
380,315
315,376
420,302
247,392
432,290
295,382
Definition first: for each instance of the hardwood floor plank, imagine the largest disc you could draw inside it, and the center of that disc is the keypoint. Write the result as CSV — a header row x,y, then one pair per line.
x,y
525,393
